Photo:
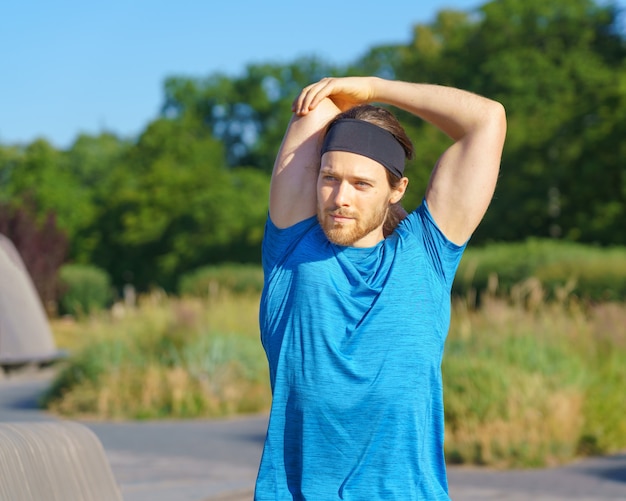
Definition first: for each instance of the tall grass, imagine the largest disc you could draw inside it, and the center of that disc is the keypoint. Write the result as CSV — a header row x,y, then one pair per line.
x,y
532,383
528,381
168,358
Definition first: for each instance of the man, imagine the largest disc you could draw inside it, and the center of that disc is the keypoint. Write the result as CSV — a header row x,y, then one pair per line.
x,y
356,304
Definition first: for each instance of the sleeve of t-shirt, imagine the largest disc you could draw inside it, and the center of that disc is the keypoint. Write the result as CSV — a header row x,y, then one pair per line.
x,y
277,242
443,254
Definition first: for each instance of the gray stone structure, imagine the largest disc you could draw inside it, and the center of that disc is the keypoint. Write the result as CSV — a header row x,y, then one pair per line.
x,y
54,461
25,335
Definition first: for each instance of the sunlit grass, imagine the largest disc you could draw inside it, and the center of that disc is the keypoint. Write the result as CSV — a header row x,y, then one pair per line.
x,y
166,358
532,383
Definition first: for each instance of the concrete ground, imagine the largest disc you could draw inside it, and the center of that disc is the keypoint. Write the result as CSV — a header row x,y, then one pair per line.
x,y
217,460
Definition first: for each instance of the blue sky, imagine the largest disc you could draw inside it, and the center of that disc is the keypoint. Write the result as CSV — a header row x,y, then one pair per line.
x,y
71,66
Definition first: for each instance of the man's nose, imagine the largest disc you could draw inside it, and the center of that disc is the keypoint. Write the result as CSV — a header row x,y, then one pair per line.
x,y
342,194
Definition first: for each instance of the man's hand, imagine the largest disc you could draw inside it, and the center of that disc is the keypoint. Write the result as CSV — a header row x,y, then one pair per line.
x,y
343,92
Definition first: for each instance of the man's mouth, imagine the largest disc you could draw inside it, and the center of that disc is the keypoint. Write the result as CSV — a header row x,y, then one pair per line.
x,y
337,217
340,217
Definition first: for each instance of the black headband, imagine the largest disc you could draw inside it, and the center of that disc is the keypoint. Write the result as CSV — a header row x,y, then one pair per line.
x,y
367,139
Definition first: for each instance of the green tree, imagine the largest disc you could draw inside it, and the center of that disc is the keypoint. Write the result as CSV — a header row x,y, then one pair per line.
x,y
558,67
173,206
248,113
38,175
9,159
90,161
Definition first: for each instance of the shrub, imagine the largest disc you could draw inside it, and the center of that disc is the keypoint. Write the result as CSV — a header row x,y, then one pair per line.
x,y
563,268
41,245
84,289
209,281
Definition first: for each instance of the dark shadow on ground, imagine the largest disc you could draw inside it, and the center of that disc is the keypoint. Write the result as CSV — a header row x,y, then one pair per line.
x,y
611,468
253,437
24,396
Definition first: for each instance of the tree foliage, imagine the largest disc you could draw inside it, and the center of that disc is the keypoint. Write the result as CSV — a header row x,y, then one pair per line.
x,y
248,114
558,67
42,247
172,206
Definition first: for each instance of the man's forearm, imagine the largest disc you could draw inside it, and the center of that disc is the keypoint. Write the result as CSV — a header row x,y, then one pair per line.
x,y
454,111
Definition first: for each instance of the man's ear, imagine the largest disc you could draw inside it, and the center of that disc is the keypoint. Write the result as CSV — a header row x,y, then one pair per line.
x,y
398,192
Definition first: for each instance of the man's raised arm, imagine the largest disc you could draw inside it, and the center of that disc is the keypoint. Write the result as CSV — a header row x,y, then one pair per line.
x,y
464,178
294,178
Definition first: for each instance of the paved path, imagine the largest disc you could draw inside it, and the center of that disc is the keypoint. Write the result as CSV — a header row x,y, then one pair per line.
x,y
217,459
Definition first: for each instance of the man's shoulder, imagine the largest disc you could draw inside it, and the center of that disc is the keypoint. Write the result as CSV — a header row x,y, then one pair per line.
x,y
280,242
296,229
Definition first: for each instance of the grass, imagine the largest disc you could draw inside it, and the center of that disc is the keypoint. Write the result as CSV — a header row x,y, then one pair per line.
x,y
167,358
528,381
534,383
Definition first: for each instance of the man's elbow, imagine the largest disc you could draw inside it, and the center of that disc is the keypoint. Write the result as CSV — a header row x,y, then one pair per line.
x,y
494,120
497,113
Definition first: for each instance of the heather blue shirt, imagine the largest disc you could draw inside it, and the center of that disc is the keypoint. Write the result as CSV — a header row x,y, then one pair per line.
x,y
354,339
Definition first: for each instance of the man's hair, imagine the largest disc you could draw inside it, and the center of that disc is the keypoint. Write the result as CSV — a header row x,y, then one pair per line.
x,y
384,119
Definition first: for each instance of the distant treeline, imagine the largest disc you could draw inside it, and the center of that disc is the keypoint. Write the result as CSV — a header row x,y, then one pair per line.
x,y
192,189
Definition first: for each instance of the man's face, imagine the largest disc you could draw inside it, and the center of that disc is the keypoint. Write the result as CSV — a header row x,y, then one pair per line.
x,y
353,197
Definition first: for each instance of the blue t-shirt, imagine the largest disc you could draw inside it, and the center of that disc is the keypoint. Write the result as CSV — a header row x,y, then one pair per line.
x,y
354,339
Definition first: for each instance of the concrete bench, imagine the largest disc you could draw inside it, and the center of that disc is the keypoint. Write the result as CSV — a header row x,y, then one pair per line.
x,y
54,461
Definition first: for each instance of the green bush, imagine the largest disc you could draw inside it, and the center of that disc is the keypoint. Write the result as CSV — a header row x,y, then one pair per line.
x,y
84,289
212,280
585,271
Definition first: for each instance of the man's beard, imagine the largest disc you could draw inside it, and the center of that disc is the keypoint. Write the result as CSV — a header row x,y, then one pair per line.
x,y
353,231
